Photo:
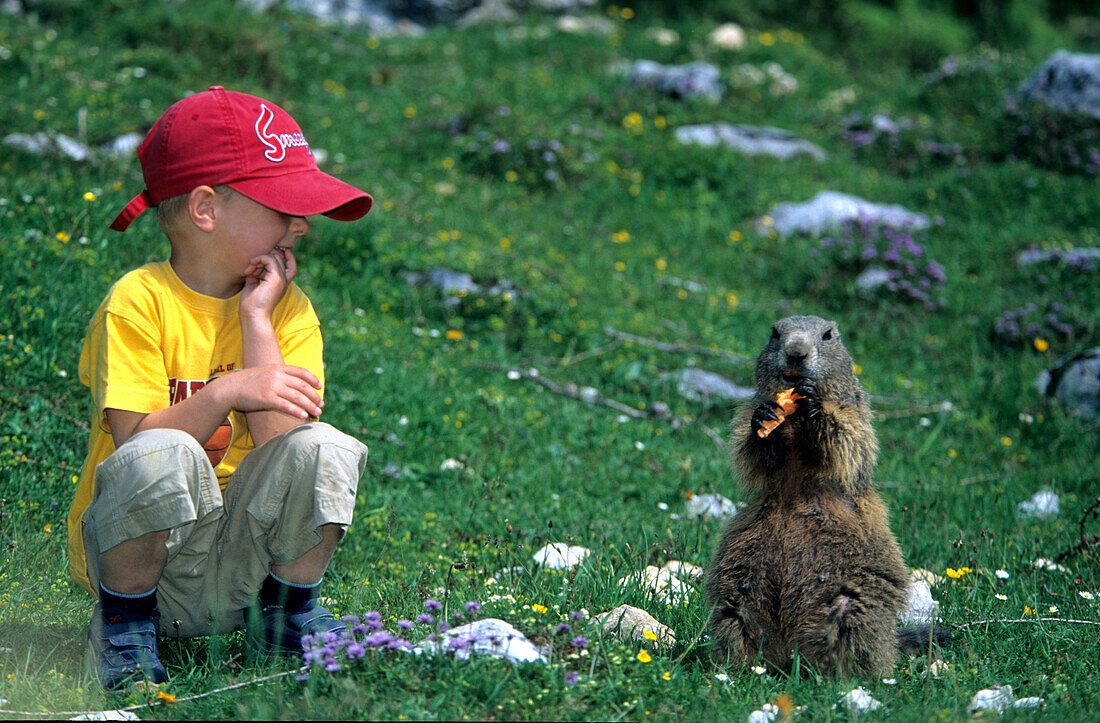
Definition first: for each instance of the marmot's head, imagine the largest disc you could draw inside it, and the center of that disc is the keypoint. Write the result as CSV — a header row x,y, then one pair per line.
x,y
805,346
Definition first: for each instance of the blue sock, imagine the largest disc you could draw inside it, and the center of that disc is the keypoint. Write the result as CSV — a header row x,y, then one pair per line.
x,y
292,597
122,608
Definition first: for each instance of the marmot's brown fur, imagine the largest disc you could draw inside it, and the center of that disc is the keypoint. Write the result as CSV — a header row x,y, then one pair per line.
x,y
809,567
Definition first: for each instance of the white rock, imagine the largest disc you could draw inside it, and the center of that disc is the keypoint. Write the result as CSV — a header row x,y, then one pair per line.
x,y
561,556
921,608
728,36
828,210
586,24
490,636
1031,703
629,623
752,140
872,278
699,385
661,584
663,36
1043,563
997,698
927,576
684,570
1043,505
124,145
710,506
766,714
859,700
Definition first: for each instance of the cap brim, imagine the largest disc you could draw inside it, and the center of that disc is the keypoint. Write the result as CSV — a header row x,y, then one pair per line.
x,y
307,193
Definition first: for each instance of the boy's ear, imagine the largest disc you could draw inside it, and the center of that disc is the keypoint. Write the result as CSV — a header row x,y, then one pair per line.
x,y
202,208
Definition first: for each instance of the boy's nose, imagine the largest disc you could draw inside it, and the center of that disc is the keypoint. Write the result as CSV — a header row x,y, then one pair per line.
x,y
299,226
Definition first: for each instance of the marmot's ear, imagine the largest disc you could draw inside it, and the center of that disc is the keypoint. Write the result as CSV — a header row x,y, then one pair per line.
x,y
775,333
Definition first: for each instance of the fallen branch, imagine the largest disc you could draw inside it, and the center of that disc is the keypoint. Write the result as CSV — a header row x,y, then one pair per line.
x,y
1084,542
85,714
569,359
678,348
590,395
1026,620
585,394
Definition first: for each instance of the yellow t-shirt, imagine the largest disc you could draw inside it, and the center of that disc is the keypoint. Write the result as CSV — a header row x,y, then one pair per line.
x,y
153,342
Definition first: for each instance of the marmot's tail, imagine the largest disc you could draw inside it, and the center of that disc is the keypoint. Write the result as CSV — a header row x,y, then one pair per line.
x,y
918,639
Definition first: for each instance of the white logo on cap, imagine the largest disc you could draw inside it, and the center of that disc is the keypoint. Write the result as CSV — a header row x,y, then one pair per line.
x,y
276,143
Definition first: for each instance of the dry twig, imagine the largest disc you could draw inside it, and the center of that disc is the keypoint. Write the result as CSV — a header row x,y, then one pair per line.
x,y
1084,542
679,348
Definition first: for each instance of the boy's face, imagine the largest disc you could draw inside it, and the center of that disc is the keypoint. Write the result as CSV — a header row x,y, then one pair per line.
x,y
251,229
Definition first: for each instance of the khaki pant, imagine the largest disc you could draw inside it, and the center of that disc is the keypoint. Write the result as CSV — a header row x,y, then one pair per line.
x,y
221,544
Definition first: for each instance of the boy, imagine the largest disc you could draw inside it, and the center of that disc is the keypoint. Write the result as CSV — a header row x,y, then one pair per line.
x,y
209,487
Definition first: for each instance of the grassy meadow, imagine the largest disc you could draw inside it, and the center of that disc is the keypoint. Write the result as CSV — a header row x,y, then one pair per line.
x,y
521,155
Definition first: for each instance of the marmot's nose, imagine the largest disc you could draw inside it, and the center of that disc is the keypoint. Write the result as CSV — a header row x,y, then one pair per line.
x,y
797,348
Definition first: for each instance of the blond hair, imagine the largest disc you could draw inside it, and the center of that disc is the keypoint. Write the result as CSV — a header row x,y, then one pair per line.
x,y
171,209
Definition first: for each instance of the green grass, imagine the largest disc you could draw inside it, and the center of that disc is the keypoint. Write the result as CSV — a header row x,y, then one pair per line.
x,y
397,117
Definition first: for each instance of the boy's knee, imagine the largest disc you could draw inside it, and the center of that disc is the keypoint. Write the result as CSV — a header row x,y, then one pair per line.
x,y
164,459
324,445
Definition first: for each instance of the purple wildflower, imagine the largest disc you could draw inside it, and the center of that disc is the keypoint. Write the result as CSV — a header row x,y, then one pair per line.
x,y
571,677
563,628
405,624
472,606
425,619
433,605
355,651
576,615
579,642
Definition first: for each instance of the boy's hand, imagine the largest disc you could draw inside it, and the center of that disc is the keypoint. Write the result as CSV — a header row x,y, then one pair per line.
x,y
273,387
266,279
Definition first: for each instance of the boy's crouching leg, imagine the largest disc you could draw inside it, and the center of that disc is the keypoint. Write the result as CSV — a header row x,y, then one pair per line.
x,y
147,534
289,504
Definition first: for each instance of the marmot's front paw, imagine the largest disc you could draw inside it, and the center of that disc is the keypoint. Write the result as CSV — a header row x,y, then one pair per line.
x,y
810,404
767,410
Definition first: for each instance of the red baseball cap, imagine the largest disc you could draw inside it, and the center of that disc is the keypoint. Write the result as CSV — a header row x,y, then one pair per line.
x,y
250,144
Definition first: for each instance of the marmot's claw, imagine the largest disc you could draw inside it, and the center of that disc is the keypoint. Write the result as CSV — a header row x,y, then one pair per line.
x,y
806,387
764,411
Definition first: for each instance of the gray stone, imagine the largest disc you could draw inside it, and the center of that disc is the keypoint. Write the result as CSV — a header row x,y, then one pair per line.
x,y
920,608
586,25
700,385
490,636
562,6
122,147
1075,383
681,81
710,506
752,140
631,624
1043,505
828,210
52,144
490,11
872,278
1068,82
1073,257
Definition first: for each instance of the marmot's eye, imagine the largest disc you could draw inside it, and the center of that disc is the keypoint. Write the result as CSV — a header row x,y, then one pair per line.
x,y
828,334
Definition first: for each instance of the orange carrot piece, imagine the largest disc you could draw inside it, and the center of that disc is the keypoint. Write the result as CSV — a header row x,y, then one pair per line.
x,y
786,400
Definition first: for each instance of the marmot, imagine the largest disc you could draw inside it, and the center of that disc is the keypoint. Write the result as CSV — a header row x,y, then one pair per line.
x,y
809,566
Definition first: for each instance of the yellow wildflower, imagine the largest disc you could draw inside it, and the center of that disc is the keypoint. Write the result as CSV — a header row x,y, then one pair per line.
x,y
453,334
540,609
644,656
63,237
620,237
166,697
89,196
1041,344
